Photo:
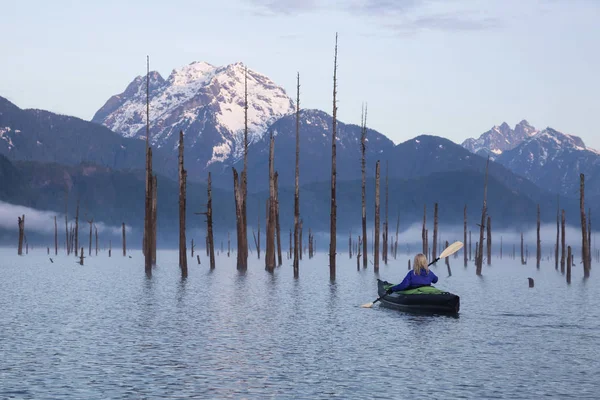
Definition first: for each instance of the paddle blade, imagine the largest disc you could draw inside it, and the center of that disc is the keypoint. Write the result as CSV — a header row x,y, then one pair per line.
x,y
453,248
368,305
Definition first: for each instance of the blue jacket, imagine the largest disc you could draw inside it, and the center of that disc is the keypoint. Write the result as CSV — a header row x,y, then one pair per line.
x,y
413,281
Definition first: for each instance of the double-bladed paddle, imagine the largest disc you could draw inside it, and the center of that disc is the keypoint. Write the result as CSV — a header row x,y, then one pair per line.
x,y
448,251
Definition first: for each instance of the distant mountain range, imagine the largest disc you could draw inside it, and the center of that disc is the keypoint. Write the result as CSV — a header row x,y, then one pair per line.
x,y
551,159
102,161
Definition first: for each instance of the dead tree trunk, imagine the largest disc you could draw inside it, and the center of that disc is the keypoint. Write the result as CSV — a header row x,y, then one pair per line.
x,y
147,240
154,216
589,241
522,253
396,241
21,221
76,235
435,231
333,215
228,244
585,248
80,257
376,238
489,240
363,146
465,235
297,185
91,222
55,237
109,247
300,243
562,243
124,240
557,233
270,252
258,228
479,259
569,255
192,248
209,223
182,174
538,252
96,234
501,247
350,244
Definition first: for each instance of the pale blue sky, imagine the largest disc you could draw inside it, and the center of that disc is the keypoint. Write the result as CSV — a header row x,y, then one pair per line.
x,y
452,68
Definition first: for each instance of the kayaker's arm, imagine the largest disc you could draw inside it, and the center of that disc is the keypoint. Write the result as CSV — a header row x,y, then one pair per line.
x,y
435,278
404,284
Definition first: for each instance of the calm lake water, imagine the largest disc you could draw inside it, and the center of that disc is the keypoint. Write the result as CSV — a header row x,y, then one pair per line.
x,y
105,331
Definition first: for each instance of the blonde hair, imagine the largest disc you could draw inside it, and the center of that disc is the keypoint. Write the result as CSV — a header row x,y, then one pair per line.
x,y
420,263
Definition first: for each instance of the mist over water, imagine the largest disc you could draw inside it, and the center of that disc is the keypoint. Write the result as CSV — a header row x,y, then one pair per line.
x,y
104,330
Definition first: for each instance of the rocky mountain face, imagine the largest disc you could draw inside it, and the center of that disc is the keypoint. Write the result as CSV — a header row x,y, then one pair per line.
x,y
206,103
499,139
315,151
37,135
554,160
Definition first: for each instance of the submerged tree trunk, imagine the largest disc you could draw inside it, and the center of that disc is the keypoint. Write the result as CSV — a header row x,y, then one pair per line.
x,y
124,240
21,221
297,185
479,259
363,146
333,214
182,173
209,223
270,252
55,237
585,249
376,238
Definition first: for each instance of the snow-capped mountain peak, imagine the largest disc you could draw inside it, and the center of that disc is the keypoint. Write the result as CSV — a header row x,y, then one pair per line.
x,y
499,139
205,101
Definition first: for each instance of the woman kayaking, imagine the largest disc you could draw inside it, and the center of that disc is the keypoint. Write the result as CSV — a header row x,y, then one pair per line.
x,y
419,276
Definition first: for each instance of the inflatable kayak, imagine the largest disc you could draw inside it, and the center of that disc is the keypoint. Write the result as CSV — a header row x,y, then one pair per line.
x,y
423,299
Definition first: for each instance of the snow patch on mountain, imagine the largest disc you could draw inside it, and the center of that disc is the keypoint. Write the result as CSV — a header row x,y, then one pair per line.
x,y
199,98
499,139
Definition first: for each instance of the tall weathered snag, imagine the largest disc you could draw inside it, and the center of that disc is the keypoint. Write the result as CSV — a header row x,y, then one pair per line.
x,y
569,259
479,258
67,244
333,214
270,251
96,235
241,192
523,262
585,246
182,174
154,210
376,238
363,147
423,230
91,222
76,233
297,184
147,238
